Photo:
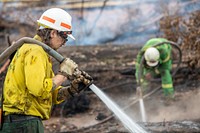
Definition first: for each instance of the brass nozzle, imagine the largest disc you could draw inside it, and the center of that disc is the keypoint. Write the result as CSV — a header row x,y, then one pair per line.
x,y
139,92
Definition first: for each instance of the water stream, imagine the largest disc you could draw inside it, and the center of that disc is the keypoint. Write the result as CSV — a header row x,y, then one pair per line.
x,y
132,126
142,109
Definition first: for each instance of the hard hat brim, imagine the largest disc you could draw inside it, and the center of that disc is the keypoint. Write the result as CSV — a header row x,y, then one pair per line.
x,y
152,64
70,35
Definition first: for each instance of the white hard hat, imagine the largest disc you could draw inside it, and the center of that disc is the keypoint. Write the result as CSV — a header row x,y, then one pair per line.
x,y
57,19
152,56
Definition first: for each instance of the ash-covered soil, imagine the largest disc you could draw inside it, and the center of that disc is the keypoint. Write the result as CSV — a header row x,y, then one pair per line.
x,y
112,68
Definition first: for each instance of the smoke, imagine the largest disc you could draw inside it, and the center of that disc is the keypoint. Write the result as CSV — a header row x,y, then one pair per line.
x,y
186,107
113,22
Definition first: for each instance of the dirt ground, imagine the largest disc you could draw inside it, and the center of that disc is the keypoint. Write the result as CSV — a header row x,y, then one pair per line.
x,y
112,68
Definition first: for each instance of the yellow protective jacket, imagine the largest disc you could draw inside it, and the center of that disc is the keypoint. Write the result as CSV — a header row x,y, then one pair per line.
x,y
28,83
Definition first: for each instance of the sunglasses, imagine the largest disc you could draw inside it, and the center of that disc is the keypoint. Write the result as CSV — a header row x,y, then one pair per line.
x,y
64,34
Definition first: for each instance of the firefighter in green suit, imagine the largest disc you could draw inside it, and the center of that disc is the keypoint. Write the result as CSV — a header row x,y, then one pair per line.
x,y
157,61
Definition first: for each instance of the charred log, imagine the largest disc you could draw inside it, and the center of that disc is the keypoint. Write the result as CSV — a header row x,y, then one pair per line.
x,y
174,127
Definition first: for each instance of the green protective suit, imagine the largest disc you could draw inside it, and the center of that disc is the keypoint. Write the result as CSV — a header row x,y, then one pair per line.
x,y
163,68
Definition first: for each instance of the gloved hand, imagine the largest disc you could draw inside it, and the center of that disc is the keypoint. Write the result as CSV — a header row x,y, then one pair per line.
x,y
139,92
81,82
67,68
148,76
64,93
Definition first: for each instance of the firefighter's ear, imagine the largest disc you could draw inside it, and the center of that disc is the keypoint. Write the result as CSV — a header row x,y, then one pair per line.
x,y
53,33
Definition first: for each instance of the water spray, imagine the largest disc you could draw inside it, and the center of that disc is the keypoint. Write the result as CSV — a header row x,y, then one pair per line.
x,y
141,102
127,122
139,93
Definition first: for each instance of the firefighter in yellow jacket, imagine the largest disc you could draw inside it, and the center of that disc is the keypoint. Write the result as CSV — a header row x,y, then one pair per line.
x,y
157,61
30,87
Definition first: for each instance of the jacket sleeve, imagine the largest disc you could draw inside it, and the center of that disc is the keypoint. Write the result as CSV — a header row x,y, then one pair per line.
x,y
165,52
38,80
55,95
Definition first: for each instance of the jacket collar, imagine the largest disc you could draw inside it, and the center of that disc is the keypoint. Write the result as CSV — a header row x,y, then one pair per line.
x,y
36,37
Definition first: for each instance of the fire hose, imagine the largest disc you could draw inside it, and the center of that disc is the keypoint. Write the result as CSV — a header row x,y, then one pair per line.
x,y
23,40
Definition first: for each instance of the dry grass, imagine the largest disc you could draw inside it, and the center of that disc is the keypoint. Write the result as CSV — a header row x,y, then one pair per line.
x,y
187,30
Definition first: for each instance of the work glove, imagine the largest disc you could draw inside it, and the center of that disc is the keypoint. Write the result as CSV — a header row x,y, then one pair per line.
x,y
148,76
139,92
81,82
67,68
78,84
64,93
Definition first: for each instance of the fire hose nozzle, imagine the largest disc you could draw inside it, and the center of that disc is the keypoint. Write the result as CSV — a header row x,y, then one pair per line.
x,y
77,72
139,92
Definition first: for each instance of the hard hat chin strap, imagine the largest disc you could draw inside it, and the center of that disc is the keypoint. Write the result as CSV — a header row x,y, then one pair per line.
x,y
41,27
